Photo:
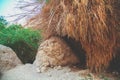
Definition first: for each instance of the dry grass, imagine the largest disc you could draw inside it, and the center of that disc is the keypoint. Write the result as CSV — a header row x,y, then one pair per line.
x,y
92,22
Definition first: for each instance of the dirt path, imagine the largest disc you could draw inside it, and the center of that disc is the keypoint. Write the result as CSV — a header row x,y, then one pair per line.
x,y
28,72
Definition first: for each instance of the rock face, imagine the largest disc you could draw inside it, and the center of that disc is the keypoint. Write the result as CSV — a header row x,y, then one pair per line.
x,y
54,52
8,59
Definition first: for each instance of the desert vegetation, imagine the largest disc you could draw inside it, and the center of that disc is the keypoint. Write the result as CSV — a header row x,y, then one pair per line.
x,y
93,24
23,41
75,35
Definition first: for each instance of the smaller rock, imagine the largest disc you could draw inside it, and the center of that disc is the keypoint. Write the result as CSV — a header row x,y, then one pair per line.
x,y
67,73
49,75
8,59
43,69
38,70
58,67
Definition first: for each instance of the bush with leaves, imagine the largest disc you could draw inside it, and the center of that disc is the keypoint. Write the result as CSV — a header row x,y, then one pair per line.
x,y
3,23
23,41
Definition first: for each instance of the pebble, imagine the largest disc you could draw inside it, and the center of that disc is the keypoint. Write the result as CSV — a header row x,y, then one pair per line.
x,y
58,67
43,69
38,70
49,75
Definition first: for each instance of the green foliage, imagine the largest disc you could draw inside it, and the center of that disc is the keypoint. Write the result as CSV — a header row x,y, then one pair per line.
x,y
47,1
23,41
3,22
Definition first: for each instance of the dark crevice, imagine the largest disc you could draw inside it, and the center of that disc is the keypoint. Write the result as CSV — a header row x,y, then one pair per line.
x,y
76,47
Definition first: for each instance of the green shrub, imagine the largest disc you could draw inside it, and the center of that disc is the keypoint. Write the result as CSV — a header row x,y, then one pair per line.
x,y
3,23
24,42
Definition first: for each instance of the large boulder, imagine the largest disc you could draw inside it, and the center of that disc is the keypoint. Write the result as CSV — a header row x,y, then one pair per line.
x,y
8,59
54,52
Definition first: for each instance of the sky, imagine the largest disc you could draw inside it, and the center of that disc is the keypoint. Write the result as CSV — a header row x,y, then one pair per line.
x,y
7,8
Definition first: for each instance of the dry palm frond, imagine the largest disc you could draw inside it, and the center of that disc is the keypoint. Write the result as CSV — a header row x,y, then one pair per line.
x,y
92,22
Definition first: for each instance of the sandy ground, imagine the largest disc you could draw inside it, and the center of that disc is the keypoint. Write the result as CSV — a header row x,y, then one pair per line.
x,y
28,72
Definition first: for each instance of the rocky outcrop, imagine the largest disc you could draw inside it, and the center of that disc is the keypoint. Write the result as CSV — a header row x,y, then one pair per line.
x,y
54,52
8,59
